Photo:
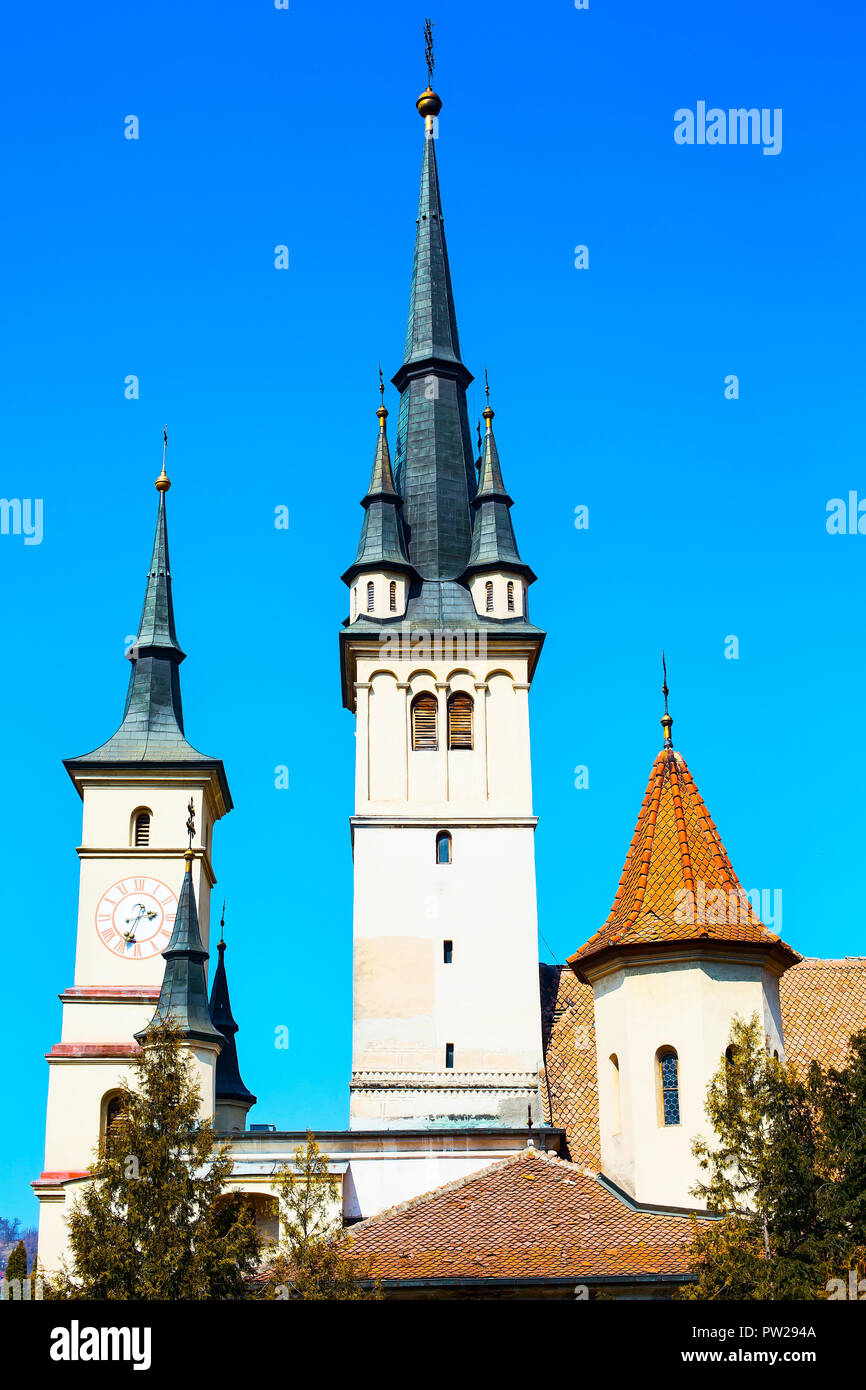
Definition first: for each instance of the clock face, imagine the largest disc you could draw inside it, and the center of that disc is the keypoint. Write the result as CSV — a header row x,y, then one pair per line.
x,y
135,918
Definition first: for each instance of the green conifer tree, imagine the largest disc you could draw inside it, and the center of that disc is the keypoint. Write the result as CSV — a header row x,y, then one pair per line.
x,y
314,1259
16,1265
154,1223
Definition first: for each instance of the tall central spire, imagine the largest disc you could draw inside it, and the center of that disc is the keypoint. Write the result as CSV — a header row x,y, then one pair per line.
x,y
434,468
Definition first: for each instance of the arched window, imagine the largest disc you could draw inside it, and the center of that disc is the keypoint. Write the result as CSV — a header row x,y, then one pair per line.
x,y
141,829
392,596
510,597
371,596
460,721
424,732
669,1086
488,596
113,1114
615,1092
443,847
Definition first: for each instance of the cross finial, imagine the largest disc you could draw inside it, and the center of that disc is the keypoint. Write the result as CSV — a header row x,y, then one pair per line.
x,y
667,721
381,384
190,824
486,386
428,50
162,482
223,921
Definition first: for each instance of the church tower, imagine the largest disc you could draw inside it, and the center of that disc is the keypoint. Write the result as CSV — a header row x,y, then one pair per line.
x,y
681,953
136,791
437,658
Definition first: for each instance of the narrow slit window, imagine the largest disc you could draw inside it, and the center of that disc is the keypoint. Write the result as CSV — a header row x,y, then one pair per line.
x,y
669,1081
449,1056
488,596
371,596
142,829
424,732
510,597
448,952
443,847
460,721
392,596
615,1093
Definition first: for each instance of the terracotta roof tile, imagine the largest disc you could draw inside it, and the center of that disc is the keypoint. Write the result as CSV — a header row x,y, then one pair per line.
x,y
675,851
569,1083
529,1217
823,1003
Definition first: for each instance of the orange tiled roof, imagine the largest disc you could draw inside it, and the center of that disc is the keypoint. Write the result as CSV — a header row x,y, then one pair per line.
x,y
675,867
823,1003
569,1082
532,1216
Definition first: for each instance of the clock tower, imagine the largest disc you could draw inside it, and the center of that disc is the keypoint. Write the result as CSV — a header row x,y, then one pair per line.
x,y
136,791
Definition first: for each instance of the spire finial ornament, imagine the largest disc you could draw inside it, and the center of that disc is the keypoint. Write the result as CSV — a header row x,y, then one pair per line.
x,y
429,103
382,411
190,824
487,412
163,482
667,721
223,923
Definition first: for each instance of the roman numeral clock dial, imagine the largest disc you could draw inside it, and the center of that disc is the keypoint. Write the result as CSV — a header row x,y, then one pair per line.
x,y
135,918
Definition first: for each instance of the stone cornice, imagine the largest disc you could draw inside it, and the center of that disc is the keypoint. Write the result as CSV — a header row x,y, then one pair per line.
x,y
149,852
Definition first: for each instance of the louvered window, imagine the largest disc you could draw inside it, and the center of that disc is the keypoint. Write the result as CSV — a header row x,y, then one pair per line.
x,y
510,597
424,733
488,591
460,721
142,829
371,591
392,596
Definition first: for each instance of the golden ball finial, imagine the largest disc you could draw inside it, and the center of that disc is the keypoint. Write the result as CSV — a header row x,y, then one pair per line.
x,y
382,413
487,414
429,103
163,483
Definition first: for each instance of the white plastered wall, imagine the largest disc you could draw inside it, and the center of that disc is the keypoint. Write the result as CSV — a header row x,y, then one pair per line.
x,y
687,1002
408,1003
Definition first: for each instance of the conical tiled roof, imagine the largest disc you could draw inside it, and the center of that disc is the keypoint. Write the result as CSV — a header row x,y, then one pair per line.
x,y
678,883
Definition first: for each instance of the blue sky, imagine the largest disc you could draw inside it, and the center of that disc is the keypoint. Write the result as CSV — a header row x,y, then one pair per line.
x,y
155,257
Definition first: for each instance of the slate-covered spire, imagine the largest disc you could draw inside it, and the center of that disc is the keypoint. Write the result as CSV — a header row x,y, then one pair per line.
x,y
229,1086
493,543
183,996
151,730
382,544
434,468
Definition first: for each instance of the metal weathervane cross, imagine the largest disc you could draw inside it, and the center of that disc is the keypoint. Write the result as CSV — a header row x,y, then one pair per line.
x,y
190,824
428,50
665,690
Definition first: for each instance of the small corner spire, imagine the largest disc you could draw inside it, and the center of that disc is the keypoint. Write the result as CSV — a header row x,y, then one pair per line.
x,y
163,482
667,721
429,103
